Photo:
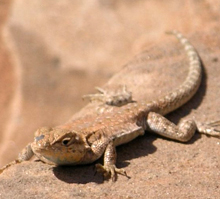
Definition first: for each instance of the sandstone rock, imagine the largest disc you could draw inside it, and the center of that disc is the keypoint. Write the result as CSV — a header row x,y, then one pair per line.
x,y
61,50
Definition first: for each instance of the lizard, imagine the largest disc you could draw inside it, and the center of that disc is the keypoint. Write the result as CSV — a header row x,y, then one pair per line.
x,y
91,136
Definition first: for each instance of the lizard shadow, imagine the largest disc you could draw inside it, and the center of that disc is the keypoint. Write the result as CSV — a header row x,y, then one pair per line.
x,y
141,146
81,174
84,174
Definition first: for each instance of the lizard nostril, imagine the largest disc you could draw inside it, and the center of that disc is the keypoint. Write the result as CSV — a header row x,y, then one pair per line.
x,y
38,138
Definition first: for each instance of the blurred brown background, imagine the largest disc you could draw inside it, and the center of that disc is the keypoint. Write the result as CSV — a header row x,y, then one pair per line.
x,y
53,52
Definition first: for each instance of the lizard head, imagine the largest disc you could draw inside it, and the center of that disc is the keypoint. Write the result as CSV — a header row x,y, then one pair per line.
x,y
59,146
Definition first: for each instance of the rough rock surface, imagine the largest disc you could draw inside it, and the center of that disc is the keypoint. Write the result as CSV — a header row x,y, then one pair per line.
x,y
54,52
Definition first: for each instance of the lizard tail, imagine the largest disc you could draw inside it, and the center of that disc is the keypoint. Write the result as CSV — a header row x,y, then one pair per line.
x,y
188,88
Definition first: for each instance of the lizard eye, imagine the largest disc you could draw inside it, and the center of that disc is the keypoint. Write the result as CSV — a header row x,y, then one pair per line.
x,y
65,141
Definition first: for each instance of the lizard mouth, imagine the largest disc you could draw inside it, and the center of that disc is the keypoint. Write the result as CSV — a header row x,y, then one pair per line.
x,y
59,146
57,153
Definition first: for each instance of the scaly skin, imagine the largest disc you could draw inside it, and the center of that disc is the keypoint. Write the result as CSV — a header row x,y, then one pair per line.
x,y
86,139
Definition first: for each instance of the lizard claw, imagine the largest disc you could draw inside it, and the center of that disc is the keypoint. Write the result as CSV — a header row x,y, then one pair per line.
x,y
110,171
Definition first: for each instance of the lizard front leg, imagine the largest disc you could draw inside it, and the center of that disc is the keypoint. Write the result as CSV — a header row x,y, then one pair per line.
x,y
109,170
26,154
182,132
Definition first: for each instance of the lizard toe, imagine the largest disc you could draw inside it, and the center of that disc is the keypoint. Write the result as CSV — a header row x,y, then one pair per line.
x,y
110,171
211,129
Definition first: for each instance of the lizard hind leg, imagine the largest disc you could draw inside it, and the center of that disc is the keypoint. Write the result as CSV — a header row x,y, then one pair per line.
x,y
182,132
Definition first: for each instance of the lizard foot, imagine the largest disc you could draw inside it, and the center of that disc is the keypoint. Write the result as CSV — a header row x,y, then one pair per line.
x,y
110,171
211,129
118,97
